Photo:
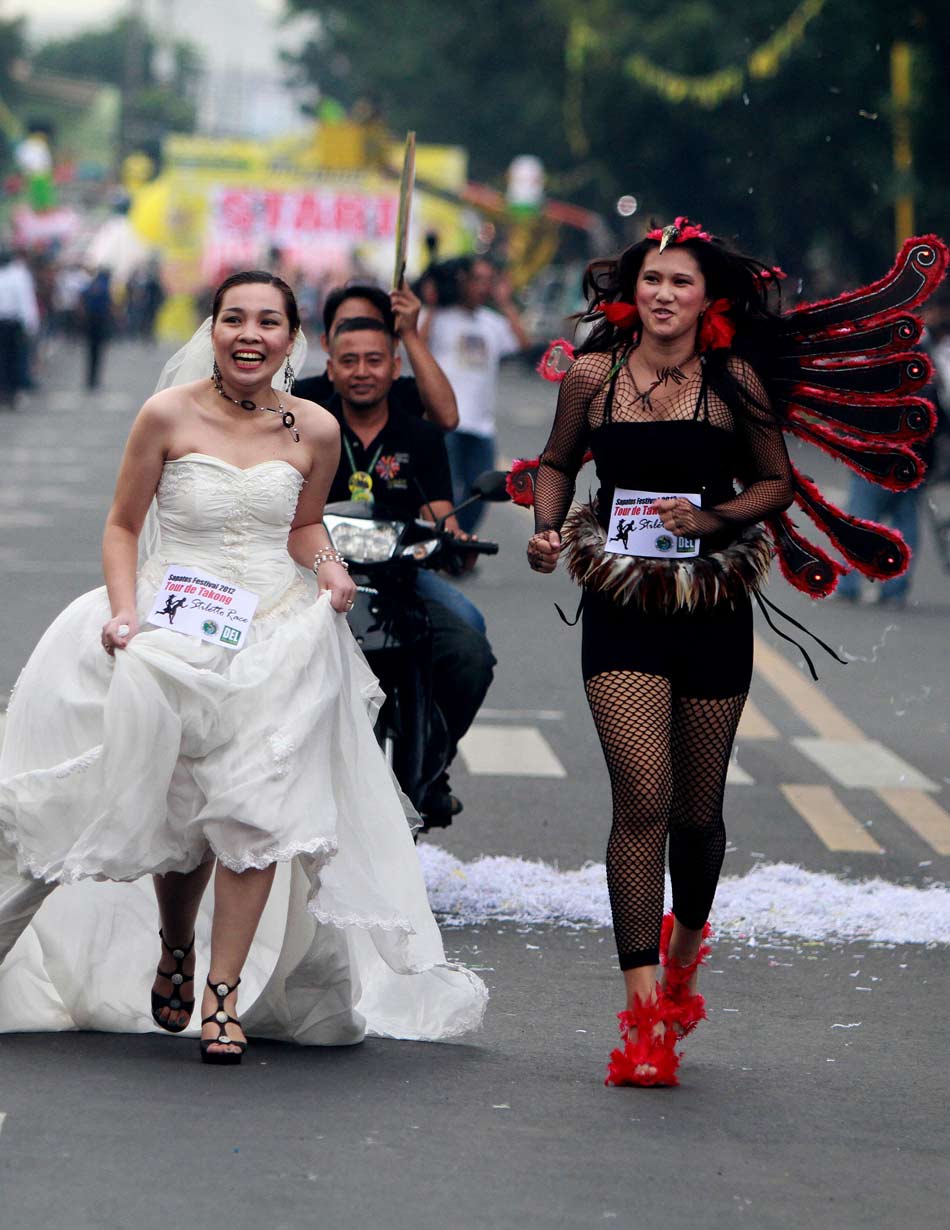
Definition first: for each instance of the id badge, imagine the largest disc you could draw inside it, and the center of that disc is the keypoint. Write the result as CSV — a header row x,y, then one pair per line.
x,y
636,529
195,603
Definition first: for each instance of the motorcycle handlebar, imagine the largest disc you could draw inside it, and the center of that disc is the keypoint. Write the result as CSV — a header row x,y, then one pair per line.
x,y
478,547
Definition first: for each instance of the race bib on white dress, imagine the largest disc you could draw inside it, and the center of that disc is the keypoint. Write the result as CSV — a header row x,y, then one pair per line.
x,y
197,604
636,529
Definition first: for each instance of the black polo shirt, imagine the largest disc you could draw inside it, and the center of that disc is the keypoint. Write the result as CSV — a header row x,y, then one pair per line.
x,y
404,394
409,464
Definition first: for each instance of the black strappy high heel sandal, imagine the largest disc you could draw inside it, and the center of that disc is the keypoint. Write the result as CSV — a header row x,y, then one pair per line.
x,y
221,1018
178,978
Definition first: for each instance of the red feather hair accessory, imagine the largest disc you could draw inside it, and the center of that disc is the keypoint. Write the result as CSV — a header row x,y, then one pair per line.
x,y
623,315
717,330
679,232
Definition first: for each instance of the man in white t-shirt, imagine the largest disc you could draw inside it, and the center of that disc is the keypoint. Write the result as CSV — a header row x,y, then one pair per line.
x,y
468,341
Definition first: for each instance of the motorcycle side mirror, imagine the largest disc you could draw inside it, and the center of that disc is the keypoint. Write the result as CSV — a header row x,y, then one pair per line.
x,y
492,486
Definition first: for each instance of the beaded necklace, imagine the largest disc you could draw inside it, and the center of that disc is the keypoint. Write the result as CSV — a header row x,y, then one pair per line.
x,y
286,416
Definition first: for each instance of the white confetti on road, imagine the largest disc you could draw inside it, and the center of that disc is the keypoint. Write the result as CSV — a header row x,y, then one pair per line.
x,y
777,899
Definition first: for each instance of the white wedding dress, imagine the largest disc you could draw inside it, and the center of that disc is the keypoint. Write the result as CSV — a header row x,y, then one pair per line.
x,y
178,749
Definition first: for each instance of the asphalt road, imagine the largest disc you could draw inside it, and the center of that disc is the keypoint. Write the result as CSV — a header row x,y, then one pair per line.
x,y
815,1094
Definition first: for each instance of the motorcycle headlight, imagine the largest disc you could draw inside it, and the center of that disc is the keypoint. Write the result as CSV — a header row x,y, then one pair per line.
x,y
421,550
363,542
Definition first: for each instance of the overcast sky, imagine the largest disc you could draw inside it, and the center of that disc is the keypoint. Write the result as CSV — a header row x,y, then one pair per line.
x,y
245,33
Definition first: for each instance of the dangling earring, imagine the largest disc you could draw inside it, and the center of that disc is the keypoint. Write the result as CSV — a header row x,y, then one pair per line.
x,y
716,330
289,376
216,376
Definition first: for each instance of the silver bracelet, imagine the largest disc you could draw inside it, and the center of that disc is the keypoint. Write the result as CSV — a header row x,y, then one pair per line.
x,y
329,556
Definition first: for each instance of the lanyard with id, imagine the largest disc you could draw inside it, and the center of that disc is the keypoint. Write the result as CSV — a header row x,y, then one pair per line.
x,y
360,482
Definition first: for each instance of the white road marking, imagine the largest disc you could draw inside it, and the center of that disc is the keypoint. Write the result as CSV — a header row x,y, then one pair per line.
x,y
737,776
867,764
522,715
754,724
509,751
22,518
20,497
3,1115
830,820
113,402
923,814
92,567
802,696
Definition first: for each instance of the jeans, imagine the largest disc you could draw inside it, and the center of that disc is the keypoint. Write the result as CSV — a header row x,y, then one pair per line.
x,y
469,456
462,670
900,510
432,587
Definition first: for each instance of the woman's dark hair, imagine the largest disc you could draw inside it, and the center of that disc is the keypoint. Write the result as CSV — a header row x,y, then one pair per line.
x,y
259,277
750,286
372,294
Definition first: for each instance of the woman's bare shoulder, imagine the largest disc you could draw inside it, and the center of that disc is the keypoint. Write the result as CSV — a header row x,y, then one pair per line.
x,y
165,407
314,421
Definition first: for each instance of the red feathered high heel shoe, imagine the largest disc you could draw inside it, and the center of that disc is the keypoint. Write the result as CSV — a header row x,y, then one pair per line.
x,y
651,1059
685,1009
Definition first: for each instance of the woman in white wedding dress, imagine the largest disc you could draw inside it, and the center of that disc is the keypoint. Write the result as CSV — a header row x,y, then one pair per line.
x,y
135,750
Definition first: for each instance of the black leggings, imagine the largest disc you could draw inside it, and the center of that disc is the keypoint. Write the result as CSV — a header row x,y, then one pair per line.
x,y
666,693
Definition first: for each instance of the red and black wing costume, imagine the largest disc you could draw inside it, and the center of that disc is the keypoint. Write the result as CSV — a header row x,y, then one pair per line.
x,y
848,379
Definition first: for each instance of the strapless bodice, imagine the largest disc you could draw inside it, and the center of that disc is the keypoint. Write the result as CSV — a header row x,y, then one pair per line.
x,y
233,522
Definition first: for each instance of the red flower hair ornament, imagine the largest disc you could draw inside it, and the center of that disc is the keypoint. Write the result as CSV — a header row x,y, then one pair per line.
x,y
623,315
716,330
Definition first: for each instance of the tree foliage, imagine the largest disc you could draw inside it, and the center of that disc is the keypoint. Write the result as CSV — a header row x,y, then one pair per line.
x,y
124,54
12,50
801,164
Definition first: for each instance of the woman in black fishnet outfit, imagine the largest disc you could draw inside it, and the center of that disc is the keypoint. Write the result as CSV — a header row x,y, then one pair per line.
x,y
665,397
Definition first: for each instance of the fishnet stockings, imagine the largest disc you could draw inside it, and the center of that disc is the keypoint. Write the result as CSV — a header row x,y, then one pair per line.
x,y
667,757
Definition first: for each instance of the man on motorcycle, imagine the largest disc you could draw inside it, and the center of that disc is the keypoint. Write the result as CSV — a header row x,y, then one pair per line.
x,y
425,394
400,461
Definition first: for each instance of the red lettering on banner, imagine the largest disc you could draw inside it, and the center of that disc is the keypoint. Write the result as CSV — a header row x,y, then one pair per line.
x,y
387,212
236,211
307,214
273,208
243,215
350,215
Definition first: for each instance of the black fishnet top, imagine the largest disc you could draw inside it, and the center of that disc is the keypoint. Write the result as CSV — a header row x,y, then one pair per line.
x,y
687,440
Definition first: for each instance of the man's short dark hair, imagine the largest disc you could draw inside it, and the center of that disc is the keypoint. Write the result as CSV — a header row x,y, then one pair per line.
x,y
377,297
359,324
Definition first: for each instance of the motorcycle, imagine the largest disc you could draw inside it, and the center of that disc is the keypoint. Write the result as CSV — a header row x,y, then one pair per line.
x,y
391,626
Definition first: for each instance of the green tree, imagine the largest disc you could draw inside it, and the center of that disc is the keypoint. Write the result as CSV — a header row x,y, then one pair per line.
x,y
124,54
12,51
798,165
